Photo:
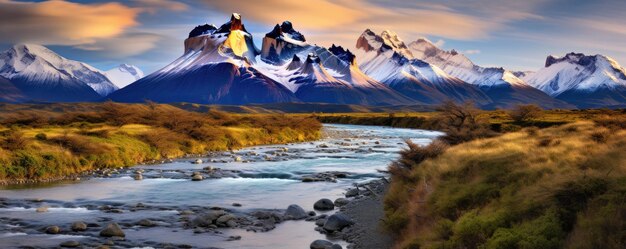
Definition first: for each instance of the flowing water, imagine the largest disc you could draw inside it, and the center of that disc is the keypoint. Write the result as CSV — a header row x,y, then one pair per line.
x,y
248,179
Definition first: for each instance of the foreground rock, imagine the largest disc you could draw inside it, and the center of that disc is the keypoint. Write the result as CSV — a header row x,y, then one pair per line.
x,y
336,222
112,230
79,226
53,230
70,244
324,205
321,244
295,212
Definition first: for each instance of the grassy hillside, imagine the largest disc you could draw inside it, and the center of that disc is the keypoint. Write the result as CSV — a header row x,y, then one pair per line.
x,y
41,142
558,187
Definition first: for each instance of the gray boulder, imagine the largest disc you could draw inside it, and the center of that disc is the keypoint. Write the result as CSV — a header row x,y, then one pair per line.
x,y
53,230
324,205
336,222
352,192
79,226
146,223
321,244
340,202
295,212
112,230
70,244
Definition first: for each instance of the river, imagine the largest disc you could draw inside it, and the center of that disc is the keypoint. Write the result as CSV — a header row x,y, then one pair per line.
x,y
263,178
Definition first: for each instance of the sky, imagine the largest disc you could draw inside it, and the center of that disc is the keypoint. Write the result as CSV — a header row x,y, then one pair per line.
x,y
514,34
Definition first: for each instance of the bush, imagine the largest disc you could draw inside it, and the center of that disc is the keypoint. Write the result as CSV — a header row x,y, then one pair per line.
x,y
600,136
415,154
15,140
462,123
41,136
525,113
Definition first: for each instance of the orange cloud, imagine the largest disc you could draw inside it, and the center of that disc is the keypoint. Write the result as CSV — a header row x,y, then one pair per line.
x,y
315,15
152,6
353,16
63,23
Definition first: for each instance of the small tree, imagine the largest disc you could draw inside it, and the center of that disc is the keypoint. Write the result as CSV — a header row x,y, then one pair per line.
x,y
461,123
525,113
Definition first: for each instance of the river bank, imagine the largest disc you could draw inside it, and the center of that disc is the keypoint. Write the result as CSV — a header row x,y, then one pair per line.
x,y
44,146
256,191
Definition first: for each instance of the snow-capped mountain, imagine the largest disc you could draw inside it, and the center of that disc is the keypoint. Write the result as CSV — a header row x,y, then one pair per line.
x,y
317,74
587,81
216,68
43,75
123,75
387,59
503,87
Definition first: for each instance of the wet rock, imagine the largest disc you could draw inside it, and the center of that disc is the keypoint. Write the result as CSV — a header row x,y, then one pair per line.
x,y
231,223
42,209
312,213
53,230
208,219
322,146
237,159
336,246
233,238
321,244
138,177
79,226
197,161
146,223
70,244
112,230
236,205
295,212
320,222
339,202
352,192
186,212
336,222
324,205
224,218
197,178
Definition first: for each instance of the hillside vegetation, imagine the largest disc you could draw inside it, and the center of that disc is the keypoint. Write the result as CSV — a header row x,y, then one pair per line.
x,y
557,187
51,142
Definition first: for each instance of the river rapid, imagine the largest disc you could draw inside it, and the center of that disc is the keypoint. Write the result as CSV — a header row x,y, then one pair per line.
x,y
167,209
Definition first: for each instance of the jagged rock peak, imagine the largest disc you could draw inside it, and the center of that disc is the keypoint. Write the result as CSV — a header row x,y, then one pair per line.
x,y
285,28
344,55
577,58
202,30
295,63
235,22
275,33
313,58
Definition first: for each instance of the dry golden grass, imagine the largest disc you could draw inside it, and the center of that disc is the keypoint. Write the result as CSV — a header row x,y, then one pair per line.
x,y
38,143
492,193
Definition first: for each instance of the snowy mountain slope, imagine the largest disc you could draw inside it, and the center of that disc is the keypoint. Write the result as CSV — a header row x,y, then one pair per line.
x,y
301,67
216,68
10,93
43,75
586,81
503,87
123,75
387,59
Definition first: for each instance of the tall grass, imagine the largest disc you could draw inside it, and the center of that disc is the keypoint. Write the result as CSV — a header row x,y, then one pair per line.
x,y
39,145
558,187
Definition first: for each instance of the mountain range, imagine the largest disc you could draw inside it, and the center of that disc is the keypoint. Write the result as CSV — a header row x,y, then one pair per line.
x,y
222,65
